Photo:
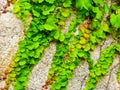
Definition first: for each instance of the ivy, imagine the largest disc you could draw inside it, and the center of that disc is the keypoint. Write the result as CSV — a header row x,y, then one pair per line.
x,y
22,12
86,4
114,19
101,67
85,32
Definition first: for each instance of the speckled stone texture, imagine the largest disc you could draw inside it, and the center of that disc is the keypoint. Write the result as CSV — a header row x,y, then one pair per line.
x,y
79,77
39,73
2,3
10,32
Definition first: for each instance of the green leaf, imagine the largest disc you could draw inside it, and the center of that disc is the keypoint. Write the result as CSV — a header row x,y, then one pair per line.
x,y
98,12
99,33
89,86
81,53
93,39
72,66
52,8
37,52
22,43
63,72
48,27
12,75
23,62
36,38
22,49
104,72
31,53
17,59
92,74
92,46
57,34
51,19
78,46
50,23
40,1
18,85
16,8
36,45
63,88
98,71
47,9
115,19
65,12
87,48
27,5
82,40
55,86
105,27
98,1
17,68
29,34
23,78
35,13
117,47
30,47
86,4
50,1
24,55
62,23
25,83
114,6
63,83
106,8
61,37
46,12
32,61
67,3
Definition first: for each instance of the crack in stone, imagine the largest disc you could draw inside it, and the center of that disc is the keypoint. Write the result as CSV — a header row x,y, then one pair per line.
x,y
83,82
111,70
101,47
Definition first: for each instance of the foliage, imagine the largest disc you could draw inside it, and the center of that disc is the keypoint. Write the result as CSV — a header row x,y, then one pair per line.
x,y
86,4
85,31
115,18
101,67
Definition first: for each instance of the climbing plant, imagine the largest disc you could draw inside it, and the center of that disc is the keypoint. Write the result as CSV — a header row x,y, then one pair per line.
x,y
93,20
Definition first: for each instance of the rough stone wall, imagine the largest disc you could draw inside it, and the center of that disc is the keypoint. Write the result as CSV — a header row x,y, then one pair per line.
x,y
40,72
11,31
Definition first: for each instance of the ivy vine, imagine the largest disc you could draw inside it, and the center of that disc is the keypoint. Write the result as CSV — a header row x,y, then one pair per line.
x,y
93,22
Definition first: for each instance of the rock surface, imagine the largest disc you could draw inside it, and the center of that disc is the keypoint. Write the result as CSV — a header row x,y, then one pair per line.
x,y
79,77
11,31
39,73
